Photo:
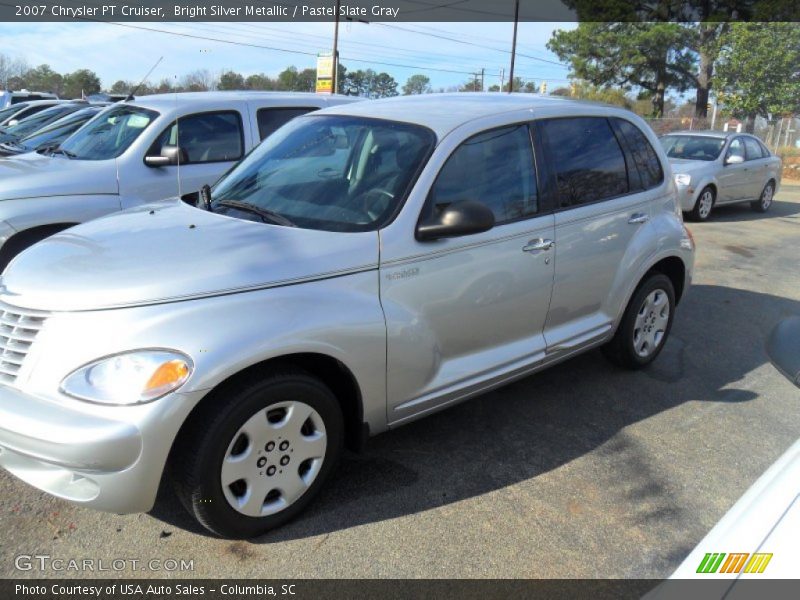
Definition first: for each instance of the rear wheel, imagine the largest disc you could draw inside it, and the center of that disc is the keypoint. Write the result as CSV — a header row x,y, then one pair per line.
x,y
646,324
765,200
705,202
259,453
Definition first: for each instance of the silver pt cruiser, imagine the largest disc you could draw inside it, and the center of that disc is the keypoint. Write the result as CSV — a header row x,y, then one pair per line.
x,y
365,266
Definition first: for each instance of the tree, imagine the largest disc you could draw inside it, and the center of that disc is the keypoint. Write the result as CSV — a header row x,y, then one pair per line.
x,y
757,69
121,87
230,80
198,81
586,91
10,68
652,56
494,88
417,84
383,85
259,81
82,81
472,85
43,79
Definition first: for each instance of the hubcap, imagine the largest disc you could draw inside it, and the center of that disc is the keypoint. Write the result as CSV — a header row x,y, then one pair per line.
x,y
706,201
766,197
651,323
273,458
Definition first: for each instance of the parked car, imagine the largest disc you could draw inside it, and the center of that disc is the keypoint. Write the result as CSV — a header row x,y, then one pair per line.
x,y
136,152
757,537
16,112
363,267
49,137
9,97
106,97
713,168
36,121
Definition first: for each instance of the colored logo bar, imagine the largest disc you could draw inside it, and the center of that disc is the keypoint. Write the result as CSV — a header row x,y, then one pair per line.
x,y
735,562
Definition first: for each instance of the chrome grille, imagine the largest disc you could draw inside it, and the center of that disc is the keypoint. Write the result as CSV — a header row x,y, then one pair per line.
x,y
18,329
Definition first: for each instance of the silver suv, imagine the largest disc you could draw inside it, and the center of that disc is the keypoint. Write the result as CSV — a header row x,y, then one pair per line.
x,y
365,266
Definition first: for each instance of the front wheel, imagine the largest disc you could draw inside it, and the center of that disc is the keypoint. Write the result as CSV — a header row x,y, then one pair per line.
x,y
765,200
702,208
258,453
645,325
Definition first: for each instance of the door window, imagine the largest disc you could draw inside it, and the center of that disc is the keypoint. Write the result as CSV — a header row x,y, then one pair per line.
x,y
272,119
205,137
644,157
495,168
587,159
736,148
752,149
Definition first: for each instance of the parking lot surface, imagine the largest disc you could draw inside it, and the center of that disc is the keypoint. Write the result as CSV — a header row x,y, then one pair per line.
x,y
583,470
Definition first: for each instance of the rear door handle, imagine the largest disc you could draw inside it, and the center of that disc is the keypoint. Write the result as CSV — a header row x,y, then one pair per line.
x,y
538,245
638,218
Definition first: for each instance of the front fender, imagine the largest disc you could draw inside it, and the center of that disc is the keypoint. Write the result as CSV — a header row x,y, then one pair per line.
x,y
26,213
688,200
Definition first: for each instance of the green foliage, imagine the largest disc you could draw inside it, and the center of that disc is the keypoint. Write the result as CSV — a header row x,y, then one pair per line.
x,y
81,82
758,69
417,84
369,83
231,81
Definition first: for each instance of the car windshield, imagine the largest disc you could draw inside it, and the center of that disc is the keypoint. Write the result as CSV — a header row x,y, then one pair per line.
x,y
109,135
60,129
334,173
37,121
692,147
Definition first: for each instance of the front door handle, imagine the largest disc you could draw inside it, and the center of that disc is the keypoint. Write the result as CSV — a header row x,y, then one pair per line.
x,y
538,245
638,218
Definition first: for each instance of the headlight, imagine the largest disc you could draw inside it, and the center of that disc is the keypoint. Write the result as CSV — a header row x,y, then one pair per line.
x,y
683,179
129,378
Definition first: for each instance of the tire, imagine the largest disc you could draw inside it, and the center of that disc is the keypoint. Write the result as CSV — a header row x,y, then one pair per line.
x,y
765,199
256,428
641,334
704,204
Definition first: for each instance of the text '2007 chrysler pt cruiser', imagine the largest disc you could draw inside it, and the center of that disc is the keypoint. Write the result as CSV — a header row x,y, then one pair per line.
x,y
365,266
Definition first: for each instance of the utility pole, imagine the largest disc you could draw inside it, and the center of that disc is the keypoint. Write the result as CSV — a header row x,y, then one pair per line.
x,y
483,72
335,74
475,82
502,78
513,48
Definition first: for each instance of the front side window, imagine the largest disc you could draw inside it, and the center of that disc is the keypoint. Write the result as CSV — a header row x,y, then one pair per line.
x,y
752,149
206,137
272,119
333,173
644,157
109,135
494,168
587,159
736,148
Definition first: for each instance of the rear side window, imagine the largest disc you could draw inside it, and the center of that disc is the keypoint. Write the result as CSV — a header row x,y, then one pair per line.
x,y
752,148
587,159
644,157
272,119
495,168
206,137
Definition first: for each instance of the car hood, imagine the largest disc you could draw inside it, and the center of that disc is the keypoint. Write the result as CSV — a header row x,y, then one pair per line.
x,y
33,175
690,167
169,251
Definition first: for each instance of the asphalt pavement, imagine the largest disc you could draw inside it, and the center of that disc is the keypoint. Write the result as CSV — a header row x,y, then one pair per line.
x,y
584,470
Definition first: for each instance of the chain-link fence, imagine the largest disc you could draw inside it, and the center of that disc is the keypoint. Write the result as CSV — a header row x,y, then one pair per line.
x,y
779,134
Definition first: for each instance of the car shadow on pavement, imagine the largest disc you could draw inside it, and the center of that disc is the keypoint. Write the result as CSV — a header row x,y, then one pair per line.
x,y
544,421
743,212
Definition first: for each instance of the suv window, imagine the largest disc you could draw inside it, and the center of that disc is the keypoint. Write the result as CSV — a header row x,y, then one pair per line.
x,y
587,159
736,148
495,168
644,157
205,137
752,148
272,119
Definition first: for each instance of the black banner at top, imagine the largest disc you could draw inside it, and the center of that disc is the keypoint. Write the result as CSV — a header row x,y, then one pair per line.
x,y
399,10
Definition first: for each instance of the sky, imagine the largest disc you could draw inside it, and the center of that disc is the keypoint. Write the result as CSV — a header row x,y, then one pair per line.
x,y
127,52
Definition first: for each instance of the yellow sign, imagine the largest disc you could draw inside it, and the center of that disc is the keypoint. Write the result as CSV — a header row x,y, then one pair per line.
x,y
324,73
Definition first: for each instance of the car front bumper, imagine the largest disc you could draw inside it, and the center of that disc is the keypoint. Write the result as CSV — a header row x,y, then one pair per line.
x,y
86,456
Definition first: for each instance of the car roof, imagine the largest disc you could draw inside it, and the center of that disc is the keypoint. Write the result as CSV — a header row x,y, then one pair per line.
x,y
710,133
444,112
169,100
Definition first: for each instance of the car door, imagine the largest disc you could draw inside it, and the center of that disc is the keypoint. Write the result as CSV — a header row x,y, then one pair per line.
x,y
599,212
757,167
733,178
465,311
210,142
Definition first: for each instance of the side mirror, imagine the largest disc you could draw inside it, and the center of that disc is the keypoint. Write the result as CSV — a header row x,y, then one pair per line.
x,y
170,156
734,160
783,348
462,218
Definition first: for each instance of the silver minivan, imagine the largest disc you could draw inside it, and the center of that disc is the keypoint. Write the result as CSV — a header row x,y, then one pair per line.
x,y
365,266
135,152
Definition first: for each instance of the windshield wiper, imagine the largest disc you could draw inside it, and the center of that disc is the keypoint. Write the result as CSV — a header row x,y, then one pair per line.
x,y
66,153
267,216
